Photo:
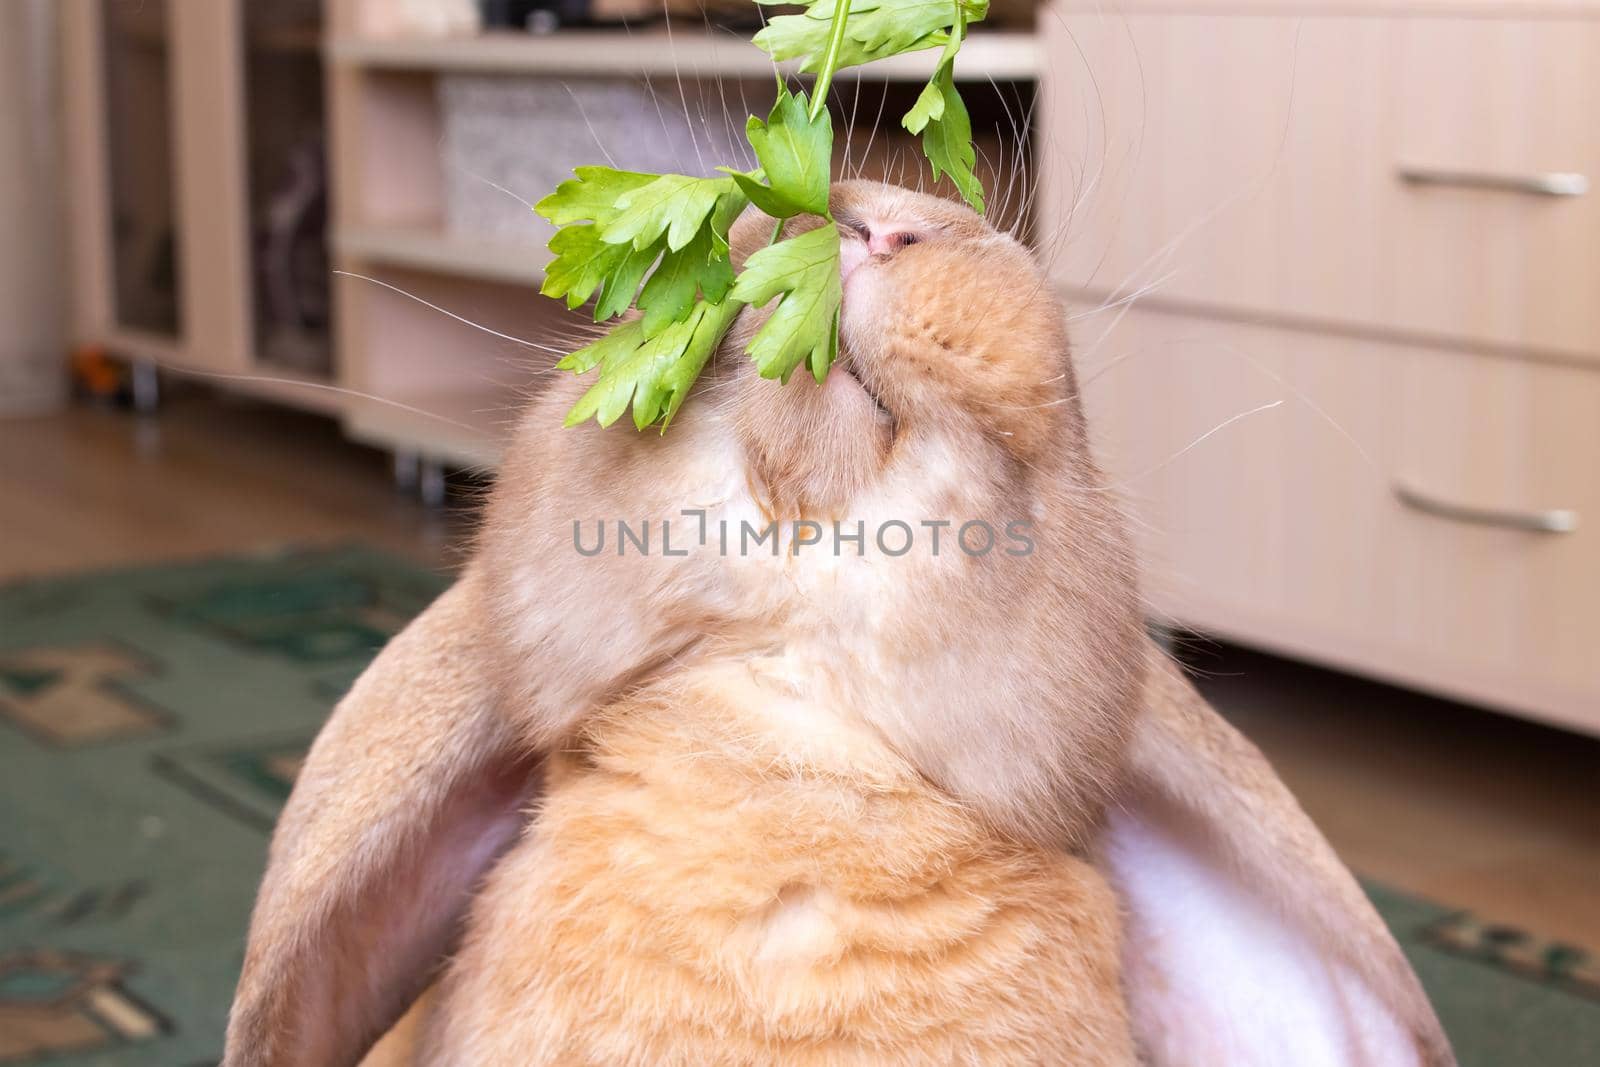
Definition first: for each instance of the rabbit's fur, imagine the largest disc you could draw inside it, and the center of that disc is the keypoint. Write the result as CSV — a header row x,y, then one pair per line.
x,y
720,874
812,806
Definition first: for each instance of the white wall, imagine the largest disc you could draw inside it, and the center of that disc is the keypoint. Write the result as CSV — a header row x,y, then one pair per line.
x,y
32,237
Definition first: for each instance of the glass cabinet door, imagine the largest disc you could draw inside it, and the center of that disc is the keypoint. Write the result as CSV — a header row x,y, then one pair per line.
x,y
145,272
286,148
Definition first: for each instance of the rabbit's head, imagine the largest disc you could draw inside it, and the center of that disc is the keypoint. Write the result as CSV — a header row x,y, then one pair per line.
x,y
947,562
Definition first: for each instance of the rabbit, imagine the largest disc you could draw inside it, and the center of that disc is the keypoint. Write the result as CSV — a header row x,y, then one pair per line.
x,y
823,800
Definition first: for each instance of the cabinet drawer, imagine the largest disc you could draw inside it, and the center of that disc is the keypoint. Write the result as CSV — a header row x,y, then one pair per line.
x,y
1423,514
1414,174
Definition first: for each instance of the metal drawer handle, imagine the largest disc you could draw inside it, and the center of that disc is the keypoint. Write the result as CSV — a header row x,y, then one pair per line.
x,y
1553,521
1551,183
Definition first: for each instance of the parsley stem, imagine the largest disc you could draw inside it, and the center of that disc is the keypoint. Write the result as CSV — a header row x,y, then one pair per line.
x,y
958,31
830,58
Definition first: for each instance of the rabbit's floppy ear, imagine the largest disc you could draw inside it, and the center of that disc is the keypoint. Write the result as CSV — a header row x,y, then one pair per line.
x,y
1248,943
411,790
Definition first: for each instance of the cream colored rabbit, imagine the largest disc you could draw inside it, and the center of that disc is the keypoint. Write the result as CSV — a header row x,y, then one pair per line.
x,y
819,800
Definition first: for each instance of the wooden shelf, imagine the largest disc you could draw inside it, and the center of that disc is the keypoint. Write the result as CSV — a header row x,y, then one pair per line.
x,y
1003,56
429,248
291,386
391,190
467,429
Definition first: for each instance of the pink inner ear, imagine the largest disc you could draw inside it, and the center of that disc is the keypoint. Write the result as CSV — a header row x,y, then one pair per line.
x,y
414,911
323,985
1217,975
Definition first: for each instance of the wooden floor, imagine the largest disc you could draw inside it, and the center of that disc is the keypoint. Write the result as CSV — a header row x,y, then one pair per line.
x,y
1462,806
209,474
1459,805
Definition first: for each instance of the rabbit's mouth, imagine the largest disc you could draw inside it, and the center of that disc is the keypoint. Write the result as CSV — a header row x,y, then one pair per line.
x,y
846,365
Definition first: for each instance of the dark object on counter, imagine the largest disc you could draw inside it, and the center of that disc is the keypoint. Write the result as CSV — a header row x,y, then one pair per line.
x,y
544,16
534,16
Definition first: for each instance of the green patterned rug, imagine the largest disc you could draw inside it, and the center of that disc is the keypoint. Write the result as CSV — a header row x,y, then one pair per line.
x,y
152,720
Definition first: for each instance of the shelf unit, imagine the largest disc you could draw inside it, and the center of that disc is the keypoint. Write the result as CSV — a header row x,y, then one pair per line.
x,y
428,248
389,216
690,53
443,389
156,168
466,428
191,135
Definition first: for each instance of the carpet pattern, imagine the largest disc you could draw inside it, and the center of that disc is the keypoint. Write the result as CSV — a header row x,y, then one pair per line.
x,y
151,724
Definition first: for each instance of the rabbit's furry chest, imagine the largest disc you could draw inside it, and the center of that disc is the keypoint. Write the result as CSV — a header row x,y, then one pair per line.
x,y
722,872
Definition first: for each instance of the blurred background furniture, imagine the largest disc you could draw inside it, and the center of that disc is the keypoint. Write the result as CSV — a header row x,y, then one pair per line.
x,y
196,132
1381,218
429,200
32,266
1331,271
208,211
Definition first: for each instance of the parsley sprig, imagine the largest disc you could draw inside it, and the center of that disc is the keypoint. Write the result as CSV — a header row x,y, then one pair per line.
x,y
659,242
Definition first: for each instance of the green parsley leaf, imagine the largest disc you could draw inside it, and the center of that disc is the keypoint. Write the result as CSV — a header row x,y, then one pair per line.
x,y
796,155
876,29
619,230
611,346
591,196
929,107
727,210
762,196
897,26
653,373
802,328
695,268
941,116
804,38
622,284
582,264
673,204
590,258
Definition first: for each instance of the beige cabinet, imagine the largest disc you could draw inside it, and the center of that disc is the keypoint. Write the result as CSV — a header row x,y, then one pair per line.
x,y
1334,283
1411,511
159,257
1420,173
198,205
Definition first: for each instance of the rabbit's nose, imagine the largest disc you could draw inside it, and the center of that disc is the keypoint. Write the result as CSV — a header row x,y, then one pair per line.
x,y
864,241
884,241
